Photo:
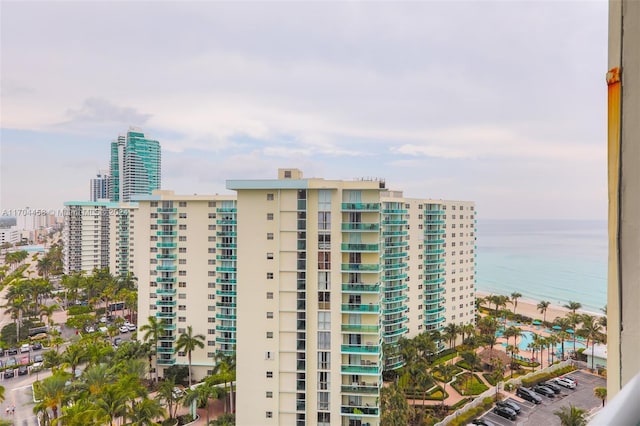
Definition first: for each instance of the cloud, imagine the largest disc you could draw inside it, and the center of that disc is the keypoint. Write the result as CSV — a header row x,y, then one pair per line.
x,y
97,110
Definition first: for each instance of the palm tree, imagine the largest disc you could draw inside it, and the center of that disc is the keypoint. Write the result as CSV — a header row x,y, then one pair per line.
x,y
73,356
225,371
187,342
446,371
112,403
591,330
450,333
152,332
571,416
600,393
542,307
394,408
201,395
514,299
573,306
167,395
145,411
54,394
564,325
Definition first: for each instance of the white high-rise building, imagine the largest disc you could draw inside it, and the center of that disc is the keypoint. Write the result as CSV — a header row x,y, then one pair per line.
x,y
99,187
327,272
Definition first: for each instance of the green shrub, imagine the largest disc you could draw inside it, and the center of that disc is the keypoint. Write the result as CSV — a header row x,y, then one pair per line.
x,y
79,310
472,413
460,403
489,378
469,384
535,379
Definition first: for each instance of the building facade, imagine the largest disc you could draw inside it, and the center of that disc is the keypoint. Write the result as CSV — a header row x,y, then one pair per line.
x,y
99,187
90,235
184,256
328,271
135,167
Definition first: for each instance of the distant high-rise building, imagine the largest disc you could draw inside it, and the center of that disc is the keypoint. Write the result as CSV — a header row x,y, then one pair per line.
x,y
135,166
99,187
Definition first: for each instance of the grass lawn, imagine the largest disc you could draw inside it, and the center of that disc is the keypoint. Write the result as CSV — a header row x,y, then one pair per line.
x,y
440,377
469,384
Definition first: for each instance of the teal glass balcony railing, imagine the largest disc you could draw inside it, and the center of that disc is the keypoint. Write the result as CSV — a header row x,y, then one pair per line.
x,y
225,340
433,281
167,210
361,328
162,361
166,233
396,286
166,267
226,246
361,388
166,350
395,310
225,328
225,317
359,207
167,222
433,251
169,303
394,211
433,289
433,222
395,265
166,279
361,227
394,222
360,349
349,247
227,210
166,291
226,257
361,267
398,332
395,255
398,233
167,245
361,288
434,311
226,222
395,244
433,320
434,212
394,277
434,261
166,315
228,293
433,231
166,256
369,369
225,269
431,270
430,241
370,308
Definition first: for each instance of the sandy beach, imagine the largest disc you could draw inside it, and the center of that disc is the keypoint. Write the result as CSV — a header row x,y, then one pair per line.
x,y
529,308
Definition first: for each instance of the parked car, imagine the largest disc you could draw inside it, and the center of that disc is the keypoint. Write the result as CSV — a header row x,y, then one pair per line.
x,y
11,362
38,358
117,341
36,346
505,412
131,327
543,390
528,395
564,382
12,351
124,329
89,329
571,379
8,373
25,348
556,389
482,422
509,404
23,370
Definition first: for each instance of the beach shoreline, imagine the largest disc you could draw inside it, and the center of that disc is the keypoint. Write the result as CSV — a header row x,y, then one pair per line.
x,y
529,308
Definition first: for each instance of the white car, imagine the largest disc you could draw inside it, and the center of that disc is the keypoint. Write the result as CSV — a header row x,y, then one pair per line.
x,y
124,329
565,382
25,348
131,327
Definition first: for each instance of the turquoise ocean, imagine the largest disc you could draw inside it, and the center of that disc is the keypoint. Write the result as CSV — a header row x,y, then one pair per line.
x,y
554,260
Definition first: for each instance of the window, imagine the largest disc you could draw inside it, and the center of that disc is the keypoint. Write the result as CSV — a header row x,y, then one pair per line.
x,y
324,360
269,275
324,241
269,255
268,355
324,260
182,319
324,220
269,374
324,340
324,320
269,216
269,295
269,197
182,261
154,204
324,300
182,215
211,331
182,296
182,204
269,334
269,394
211,216
269,235
269,315
182,250
212,227
211,285
211,250
269,414
211,238
182,273
212,204
182,227
182,238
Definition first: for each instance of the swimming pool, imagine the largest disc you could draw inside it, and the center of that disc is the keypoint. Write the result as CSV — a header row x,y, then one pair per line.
x,y
527,337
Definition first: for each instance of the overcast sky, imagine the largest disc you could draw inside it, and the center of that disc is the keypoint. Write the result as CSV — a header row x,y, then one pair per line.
x,y
503,103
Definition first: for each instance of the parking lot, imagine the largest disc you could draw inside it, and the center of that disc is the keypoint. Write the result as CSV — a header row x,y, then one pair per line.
x,y
542,414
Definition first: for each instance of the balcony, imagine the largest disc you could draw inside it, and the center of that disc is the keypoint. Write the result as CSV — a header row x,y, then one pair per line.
x,y
398,233
395,310
167,233
226,210
395,255
360,207
433,222
361,227
226,222
166,350
433,290
434,311
168,361
371,308
395,265
361,328
166,291
166,315
167,210
166,256
361,267
168,303
434,212
225,317
433,320
172,268
361,288
395,277
360,411
225,328
394,222
230,293
225,340
360,349
349,247
433,281
167,222
361,388
396,287
430,252
394,211
167,245
367,367
433,231
220,257
430,241
434,261
397,332
166,280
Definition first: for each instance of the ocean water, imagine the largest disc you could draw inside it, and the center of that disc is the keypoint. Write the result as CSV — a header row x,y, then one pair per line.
x,y
554,260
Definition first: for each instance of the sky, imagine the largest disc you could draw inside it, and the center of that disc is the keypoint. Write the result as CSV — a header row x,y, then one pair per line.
x,y
502,103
